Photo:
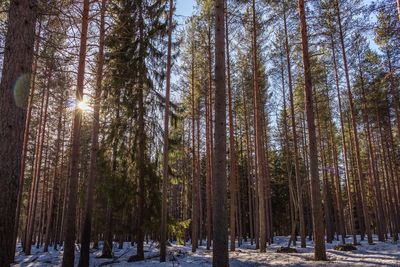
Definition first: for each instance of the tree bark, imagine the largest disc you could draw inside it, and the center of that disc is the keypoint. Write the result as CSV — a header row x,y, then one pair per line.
x,y
220,231
360,175
260,152
14,91
91,184
299,182
70,226
319,251
232,148
165,182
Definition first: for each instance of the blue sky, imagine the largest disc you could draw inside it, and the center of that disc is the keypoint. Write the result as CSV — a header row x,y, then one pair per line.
x,y
184,7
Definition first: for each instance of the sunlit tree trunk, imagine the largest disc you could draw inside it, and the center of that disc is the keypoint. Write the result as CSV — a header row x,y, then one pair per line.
x,y
319,240
360,175
163,236
90,187
70,226
299,182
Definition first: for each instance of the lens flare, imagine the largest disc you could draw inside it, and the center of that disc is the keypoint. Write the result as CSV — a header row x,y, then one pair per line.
x,y
21,90
83,106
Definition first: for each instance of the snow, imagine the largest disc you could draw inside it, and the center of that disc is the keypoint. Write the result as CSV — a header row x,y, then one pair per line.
x,y
379,254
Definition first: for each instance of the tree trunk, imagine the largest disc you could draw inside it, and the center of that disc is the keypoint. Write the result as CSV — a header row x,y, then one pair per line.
x,y
50,212
360,175
164,211
14,91
195,183
220,231
319,252
260,152
299,182
209,144
91,184
70,226
232,148
38,164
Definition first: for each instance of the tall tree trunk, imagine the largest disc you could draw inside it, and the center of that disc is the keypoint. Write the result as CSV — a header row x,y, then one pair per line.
x,y
195,183
232,148
38,164
70,226
26,136
54,178
360,175
209,144
220,231
260,152
91,184
299,182
319,252
164,211
14,91
344,145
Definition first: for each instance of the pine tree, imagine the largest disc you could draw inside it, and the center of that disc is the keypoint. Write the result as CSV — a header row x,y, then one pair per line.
x,y
319,251
14,91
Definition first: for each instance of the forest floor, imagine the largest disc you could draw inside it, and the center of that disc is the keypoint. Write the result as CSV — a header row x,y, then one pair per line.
x,y
379,254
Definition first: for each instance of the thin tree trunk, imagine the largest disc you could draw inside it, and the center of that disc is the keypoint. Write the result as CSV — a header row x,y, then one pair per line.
x,y
232,148
299,182
209,144
260,153
70,226
165,182
343,135
319,252
54,178
38,164
355,131
195,191
91,183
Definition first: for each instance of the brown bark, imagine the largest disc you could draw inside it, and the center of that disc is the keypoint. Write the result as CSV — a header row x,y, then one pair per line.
x,y
260,152
70,226
220,231
91,184
14,91
299,182
26,134
164,212
195,183
38,164
54,178
398,8
319,252
360,175
209,144
344,145
232,147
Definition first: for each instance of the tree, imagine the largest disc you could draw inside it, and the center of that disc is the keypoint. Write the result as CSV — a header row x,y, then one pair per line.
x,y
70,225
86,228
220,231
163,236
319,251
14,91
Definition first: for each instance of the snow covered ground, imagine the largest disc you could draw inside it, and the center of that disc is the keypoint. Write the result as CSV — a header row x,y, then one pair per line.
x,y
379,254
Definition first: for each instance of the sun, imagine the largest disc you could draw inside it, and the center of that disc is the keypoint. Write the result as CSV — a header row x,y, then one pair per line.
x,y
83,106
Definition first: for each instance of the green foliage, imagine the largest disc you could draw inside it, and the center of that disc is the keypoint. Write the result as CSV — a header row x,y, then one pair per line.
x,y
178,229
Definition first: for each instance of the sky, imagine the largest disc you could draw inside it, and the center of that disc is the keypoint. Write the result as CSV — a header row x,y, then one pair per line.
x,y
184,7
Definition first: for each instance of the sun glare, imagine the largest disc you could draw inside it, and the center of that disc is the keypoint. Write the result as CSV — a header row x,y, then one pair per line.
x,y
82,105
